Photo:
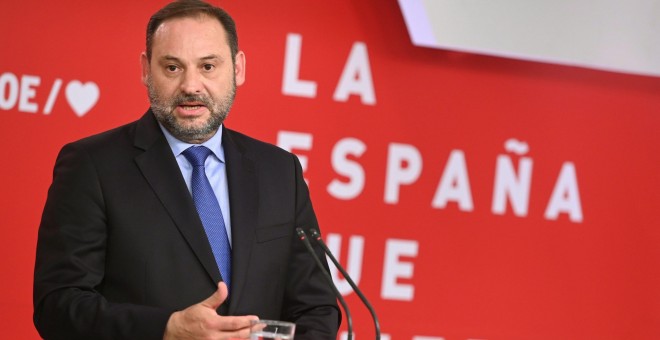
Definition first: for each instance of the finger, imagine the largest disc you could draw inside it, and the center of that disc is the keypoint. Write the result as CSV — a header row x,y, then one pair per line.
x,y
217,298
234,335
237,323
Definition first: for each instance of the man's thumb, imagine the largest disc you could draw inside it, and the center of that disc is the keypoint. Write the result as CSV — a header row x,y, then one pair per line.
x,y
214,301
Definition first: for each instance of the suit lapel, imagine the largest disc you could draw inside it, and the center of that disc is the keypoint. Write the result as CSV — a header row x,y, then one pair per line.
x,y
162,172
243,198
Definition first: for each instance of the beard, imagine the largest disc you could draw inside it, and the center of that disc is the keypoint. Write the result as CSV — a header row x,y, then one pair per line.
x,y
163,109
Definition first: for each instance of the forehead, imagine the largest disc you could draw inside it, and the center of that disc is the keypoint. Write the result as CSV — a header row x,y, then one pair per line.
x,y
200,33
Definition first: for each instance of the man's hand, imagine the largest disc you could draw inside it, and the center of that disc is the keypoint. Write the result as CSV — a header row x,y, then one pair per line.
x,y
201,321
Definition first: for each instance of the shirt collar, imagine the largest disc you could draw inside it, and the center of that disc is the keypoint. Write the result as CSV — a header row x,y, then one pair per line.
x,y
178,146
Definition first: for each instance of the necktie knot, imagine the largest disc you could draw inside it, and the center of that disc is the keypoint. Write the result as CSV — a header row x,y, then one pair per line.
x,y
197,155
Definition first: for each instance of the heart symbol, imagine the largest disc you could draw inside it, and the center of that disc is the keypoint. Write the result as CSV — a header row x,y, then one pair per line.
x,y
82,97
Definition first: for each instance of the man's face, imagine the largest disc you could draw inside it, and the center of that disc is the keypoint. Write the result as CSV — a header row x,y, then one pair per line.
x,y
191,78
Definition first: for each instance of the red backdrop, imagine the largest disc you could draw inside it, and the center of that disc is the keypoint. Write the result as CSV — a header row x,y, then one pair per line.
x,y
454,235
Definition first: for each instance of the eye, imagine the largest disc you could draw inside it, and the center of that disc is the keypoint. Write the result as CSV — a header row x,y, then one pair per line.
x,y
208,67
172,68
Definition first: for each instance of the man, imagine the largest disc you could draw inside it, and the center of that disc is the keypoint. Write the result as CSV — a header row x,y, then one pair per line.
x,y
142,239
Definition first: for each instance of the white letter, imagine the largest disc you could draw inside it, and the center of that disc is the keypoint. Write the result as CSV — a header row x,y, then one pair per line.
x,y
354,266
565,196
289,140
397,174
27,93
356,77
291,84
348,168
454,184
10,82
395,269
507,184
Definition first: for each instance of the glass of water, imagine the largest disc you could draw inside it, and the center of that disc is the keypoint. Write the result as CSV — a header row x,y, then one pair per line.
x,y
272,330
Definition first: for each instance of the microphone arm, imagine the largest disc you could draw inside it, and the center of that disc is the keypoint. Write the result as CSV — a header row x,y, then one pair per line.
x,y
349,321
317,236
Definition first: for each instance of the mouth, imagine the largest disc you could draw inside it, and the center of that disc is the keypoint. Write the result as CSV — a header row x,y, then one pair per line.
x,y
191,105
191,108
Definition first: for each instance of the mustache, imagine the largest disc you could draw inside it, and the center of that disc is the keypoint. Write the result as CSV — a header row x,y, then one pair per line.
x,y
187,98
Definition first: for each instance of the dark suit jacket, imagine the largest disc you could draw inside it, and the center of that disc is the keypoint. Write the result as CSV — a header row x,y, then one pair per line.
x,y
121,246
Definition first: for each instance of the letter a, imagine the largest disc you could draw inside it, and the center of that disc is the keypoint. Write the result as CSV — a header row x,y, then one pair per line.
x,y
565,196
356,77
455,184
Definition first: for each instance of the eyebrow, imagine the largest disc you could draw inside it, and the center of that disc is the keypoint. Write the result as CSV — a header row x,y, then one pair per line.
x,y
175,59
211,56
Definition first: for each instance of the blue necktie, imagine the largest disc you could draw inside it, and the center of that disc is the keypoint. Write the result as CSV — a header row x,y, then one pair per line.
x,y
209,210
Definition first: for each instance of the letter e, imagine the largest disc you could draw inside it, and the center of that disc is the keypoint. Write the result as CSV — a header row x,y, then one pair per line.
x,y
27,93
394,269
289,141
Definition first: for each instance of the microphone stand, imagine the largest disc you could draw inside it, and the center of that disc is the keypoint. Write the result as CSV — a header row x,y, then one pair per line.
x,y
317,236
349,321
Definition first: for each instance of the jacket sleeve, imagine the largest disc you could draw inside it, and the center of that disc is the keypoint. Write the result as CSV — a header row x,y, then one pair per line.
x,y
309,301
69,267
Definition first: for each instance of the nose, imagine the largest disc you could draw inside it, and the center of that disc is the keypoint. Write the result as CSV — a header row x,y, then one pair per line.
x,y
191,82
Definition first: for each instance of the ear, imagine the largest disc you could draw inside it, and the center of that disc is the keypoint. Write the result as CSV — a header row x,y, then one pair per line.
x,y
239,68
144,61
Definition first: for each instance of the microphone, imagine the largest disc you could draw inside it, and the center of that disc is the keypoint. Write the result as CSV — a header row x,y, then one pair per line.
x,y
317,236
349,321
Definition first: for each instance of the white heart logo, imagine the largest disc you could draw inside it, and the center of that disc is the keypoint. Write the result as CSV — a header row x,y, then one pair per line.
x,y
82,97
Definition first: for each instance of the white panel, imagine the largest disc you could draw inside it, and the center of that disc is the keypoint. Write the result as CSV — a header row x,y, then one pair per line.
x,y
604,34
